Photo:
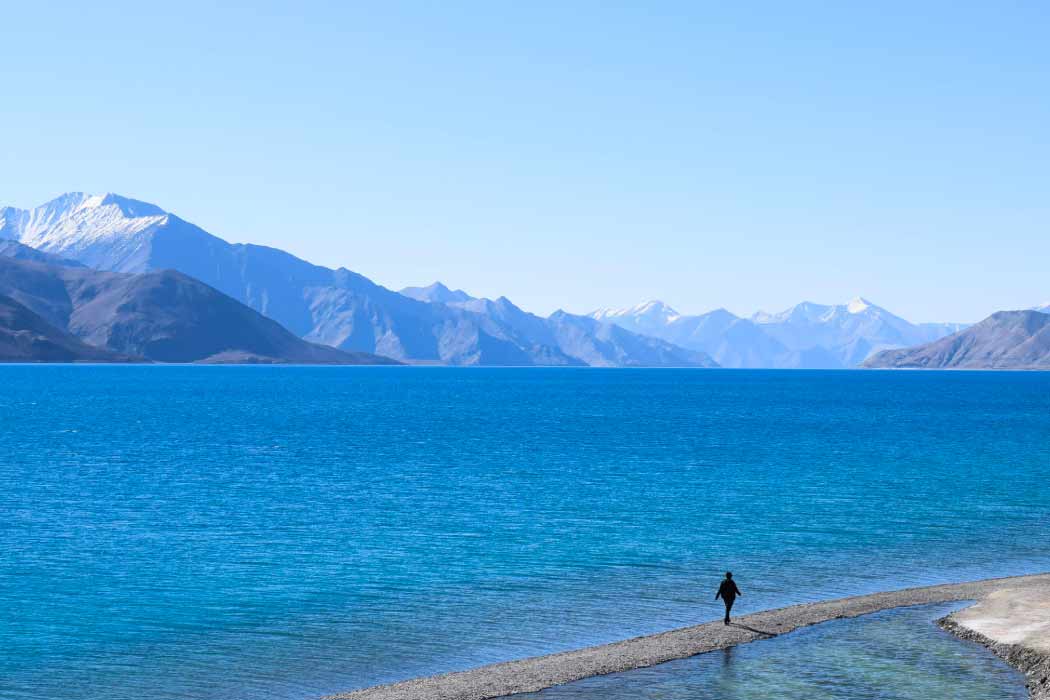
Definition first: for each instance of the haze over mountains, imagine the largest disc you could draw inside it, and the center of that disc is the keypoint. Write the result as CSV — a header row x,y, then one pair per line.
x,y
807,335
583,339
82,238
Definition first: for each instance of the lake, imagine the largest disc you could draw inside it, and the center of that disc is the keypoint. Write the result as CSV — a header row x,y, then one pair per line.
x,y
286,532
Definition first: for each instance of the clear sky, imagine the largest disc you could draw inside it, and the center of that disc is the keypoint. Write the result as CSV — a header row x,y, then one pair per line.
x,y
567,154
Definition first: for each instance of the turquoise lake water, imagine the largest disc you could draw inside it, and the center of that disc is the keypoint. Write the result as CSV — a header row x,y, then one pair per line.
x,y
267,532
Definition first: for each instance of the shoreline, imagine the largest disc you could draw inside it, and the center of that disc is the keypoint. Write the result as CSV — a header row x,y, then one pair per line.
x,y
1014,623
538,672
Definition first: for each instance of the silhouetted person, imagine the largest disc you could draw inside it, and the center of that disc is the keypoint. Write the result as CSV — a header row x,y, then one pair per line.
x,y
728,593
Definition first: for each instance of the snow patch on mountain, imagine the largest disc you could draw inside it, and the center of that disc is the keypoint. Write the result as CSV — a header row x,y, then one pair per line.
x,y
858,305
84,227
653,309
806,335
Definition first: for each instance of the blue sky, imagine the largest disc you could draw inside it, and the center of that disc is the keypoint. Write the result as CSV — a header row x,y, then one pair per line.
x,y
574,155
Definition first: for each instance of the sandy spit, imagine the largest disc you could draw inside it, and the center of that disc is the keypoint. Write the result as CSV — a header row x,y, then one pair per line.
x,y
1014,622
539,672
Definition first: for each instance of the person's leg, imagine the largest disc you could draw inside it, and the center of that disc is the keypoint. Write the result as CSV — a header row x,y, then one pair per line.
x,y
729,606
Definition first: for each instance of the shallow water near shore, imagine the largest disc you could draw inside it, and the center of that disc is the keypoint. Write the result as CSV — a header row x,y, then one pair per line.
x,y
269,532
898,654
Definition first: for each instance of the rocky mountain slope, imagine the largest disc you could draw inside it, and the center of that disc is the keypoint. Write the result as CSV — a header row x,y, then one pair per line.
x,y
1004,340
161,316
27,337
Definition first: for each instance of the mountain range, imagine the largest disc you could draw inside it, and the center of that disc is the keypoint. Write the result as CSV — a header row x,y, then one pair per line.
x,y
584,340
58,310
807,335
108,278
339,308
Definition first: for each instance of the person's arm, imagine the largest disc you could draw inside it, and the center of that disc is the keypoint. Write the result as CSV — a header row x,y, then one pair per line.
x,y
736,589
719,594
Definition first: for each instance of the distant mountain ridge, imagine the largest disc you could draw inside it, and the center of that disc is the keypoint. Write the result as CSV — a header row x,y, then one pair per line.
x,y
437,324
339,308
17,251
584,340
161,316
436,293
807,335
1004,340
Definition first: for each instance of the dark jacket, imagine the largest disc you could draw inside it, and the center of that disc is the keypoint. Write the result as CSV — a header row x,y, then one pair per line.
x,y
728,590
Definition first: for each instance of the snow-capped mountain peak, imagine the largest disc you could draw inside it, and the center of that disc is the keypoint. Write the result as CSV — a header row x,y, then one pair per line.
x,y
87,227
803,311
77,213
656,308
810,312
129,208
858,305
654,311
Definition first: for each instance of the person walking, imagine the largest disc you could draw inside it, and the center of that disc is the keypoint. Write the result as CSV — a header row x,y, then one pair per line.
x,y
728,592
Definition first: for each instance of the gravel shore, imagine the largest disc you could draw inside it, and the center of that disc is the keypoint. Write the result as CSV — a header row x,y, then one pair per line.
x,y
537,673
1014,622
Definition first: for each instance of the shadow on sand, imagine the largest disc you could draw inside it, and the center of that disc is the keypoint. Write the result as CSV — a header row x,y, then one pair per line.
x,y
752,629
